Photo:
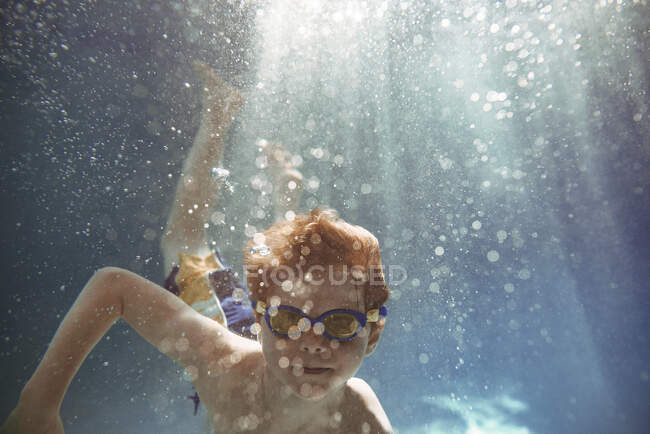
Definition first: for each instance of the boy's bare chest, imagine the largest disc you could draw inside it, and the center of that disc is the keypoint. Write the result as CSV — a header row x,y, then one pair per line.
x,y
238,407
259,422
234,405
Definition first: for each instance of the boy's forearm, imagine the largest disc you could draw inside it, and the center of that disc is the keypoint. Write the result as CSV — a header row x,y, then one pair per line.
x,y
92,314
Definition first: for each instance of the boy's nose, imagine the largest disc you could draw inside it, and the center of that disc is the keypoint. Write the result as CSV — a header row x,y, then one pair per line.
x,y
313,344
313,348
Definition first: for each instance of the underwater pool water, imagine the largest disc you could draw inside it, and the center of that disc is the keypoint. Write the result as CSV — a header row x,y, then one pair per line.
x,y
498,150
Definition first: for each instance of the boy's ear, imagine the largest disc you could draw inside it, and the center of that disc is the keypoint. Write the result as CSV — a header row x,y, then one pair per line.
x,y
375,333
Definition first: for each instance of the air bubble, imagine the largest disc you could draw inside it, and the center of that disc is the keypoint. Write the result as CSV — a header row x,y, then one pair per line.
x,y
191,373
219,172
304,325
182,344
256,328
294,332
493,256
524,274
305,389
287,285
239,294
319,328
260,249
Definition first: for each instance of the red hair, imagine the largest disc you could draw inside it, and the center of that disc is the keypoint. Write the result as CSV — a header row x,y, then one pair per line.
x,y
319,238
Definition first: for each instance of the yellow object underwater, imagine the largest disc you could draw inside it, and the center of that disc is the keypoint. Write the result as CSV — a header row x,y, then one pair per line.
x,y
194,285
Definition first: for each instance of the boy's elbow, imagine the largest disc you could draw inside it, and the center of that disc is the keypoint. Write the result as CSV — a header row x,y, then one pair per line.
x,y
108,282
108,274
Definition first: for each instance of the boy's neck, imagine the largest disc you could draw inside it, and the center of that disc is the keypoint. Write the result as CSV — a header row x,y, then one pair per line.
x,y
295,411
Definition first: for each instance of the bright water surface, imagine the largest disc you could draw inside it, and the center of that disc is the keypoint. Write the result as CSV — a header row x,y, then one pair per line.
x,y
499,150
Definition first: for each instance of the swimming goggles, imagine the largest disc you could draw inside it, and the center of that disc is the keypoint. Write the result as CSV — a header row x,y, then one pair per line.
x,y
338,324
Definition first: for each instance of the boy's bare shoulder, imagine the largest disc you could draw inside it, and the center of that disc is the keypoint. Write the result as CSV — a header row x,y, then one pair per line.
x,y
242,354
363,408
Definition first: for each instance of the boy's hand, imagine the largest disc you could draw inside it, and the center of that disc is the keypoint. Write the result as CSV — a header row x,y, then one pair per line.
x,y
25,419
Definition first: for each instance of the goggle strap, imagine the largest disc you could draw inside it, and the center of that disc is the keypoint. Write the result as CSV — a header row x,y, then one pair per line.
x,y
260,307
371,316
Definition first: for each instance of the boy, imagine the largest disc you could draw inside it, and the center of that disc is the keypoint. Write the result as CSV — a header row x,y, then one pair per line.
x,y
317,289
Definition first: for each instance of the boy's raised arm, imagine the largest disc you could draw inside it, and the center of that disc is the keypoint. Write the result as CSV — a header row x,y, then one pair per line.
x,y
112,293
197,188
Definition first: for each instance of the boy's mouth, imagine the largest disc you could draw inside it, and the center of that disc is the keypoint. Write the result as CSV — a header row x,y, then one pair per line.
x,y
315,371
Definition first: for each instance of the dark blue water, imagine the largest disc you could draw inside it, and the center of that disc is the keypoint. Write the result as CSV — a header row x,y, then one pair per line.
x,y
499,151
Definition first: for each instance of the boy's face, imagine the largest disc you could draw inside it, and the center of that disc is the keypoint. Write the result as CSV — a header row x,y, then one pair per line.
x,y
310,365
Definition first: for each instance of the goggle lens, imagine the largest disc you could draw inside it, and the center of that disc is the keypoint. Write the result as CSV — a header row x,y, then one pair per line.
x,y
283,320
339,325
